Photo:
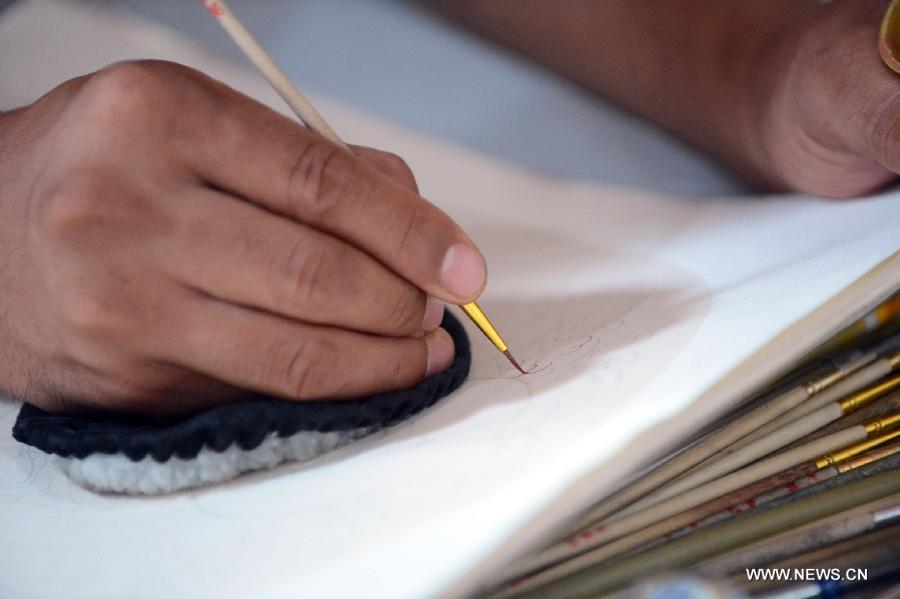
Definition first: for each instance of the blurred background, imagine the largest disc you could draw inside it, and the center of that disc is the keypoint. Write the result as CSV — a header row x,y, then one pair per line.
x,y
402,62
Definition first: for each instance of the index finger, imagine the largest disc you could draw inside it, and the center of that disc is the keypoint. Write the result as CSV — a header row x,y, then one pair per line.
x,y
268,159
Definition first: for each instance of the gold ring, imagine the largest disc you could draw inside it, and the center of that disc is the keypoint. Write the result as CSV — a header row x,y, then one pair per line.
x,y
889,37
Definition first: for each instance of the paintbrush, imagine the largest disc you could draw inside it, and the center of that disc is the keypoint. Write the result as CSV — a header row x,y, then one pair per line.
x,y
878,369
804,547
589,549
747,498
774,441
847,377
310,117
820,470
715,540
613,530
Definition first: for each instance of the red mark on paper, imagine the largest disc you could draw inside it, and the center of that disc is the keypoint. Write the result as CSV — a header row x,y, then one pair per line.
x,y
535,369
577,348
792,488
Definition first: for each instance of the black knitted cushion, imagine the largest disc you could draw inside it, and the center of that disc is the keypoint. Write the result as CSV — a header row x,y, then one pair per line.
x,y
245,424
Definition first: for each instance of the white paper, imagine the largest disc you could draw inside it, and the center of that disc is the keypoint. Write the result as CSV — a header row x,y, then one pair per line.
x,y
647,315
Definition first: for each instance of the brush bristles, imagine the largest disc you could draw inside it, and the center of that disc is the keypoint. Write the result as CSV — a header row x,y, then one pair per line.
x,y
513,361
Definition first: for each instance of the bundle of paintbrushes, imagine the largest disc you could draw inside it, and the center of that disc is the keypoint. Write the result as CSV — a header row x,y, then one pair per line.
x,y
794,494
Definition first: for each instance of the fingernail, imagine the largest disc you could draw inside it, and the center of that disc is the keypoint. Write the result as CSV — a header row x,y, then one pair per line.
x,y
440,351
434,314
463,271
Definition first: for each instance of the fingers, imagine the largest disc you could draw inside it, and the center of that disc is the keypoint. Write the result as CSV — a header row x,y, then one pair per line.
x,y
262,352
241,254
389,164
274,162
852,103
876,133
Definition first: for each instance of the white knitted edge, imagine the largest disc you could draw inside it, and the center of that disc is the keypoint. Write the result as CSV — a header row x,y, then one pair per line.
x,y
116,473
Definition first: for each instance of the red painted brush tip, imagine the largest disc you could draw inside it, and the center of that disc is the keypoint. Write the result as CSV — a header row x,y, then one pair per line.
x,y
513,361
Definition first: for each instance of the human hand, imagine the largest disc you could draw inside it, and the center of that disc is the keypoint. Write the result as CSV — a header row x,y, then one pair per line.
x,y
167,243
791,95
830,121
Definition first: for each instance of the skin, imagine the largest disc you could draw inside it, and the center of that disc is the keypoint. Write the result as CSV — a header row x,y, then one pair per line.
x,y
168,244
792,95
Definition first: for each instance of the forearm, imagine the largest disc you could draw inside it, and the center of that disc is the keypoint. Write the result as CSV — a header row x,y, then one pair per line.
x,y
701,69
4,125
7,152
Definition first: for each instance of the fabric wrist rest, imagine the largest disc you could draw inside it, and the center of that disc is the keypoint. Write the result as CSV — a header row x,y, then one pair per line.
x,y
124,453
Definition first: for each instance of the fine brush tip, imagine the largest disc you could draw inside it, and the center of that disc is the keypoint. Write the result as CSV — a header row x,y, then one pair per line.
x,y
513,361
